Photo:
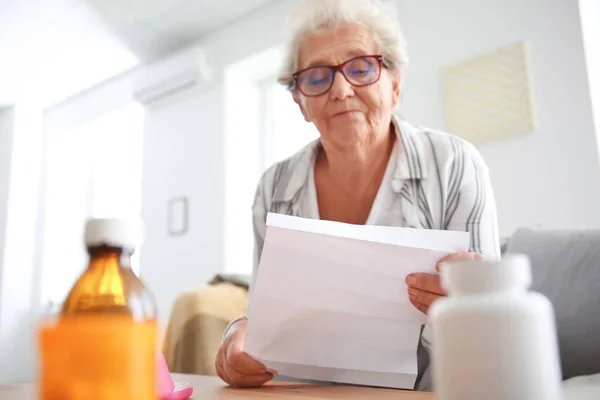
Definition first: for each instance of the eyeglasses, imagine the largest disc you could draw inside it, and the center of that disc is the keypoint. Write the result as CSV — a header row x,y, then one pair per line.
x,y
358,71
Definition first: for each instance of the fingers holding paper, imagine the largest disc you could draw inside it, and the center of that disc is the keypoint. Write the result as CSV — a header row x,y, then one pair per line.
x,y
235,366
424,289
466,256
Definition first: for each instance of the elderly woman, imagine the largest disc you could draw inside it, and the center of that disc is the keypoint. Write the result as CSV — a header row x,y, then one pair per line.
x,y
345,67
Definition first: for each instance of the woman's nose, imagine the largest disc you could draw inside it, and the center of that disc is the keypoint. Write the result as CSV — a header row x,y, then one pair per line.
x,y
341,88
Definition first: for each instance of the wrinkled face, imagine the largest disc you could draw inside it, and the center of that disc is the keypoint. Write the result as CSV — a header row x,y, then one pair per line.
x,y
347,114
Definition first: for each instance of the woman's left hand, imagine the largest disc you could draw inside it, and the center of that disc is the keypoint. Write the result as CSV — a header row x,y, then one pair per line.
x,y
424,289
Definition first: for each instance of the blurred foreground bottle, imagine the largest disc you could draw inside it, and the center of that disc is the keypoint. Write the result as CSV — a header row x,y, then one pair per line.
x,y
494,339
104,344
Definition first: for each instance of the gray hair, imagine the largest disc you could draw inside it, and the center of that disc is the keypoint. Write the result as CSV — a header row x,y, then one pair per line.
x,y
314,16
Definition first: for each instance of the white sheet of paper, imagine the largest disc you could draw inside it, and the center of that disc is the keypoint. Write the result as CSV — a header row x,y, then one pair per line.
x,y
329,301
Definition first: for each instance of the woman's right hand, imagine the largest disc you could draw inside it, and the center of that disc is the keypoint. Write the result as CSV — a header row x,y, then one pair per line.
x,y
234,365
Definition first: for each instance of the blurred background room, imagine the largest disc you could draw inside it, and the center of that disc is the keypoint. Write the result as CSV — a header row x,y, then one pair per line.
x,y
169,110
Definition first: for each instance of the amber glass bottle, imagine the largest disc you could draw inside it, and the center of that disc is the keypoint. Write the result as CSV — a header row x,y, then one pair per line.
x,y
109,285
104,344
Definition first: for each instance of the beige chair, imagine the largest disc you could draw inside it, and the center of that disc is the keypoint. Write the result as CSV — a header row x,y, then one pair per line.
x,y
197,322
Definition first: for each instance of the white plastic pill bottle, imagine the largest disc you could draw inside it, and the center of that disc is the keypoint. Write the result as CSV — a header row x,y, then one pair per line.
x,y
492,338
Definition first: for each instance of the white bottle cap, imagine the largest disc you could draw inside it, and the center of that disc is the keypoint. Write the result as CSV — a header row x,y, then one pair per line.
x,y
512,272
121,233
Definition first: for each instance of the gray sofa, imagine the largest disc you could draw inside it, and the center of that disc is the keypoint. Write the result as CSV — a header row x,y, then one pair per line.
x,y
566,268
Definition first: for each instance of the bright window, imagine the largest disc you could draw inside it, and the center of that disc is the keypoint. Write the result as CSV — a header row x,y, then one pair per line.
x,y
263,125
93,170
286,131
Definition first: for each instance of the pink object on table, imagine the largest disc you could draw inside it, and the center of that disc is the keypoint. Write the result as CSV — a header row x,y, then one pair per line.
x,y
164,381
167,389
182,391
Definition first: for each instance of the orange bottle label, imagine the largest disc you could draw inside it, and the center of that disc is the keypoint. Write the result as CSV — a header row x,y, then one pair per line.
x,y
98,358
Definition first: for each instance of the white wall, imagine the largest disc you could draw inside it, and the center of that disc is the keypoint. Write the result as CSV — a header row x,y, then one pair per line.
x,y
241,146
552,176
589,11
89,105
182,157
17,268
6,140
6,144
7,117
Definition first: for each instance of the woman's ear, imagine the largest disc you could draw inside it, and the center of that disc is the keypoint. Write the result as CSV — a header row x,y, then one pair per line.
x,y
298,100
396,88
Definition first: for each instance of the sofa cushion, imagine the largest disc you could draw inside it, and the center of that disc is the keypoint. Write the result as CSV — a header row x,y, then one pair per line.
x,y
566,269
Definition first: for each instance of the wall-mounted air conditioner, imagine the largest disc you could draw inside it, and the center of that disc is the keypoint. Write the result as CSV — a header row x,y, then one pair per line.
x,y
184,70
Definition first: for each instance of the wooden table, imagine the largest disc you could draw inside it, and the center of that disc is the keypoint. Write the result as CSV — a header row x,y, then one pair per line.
x,y
212,388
